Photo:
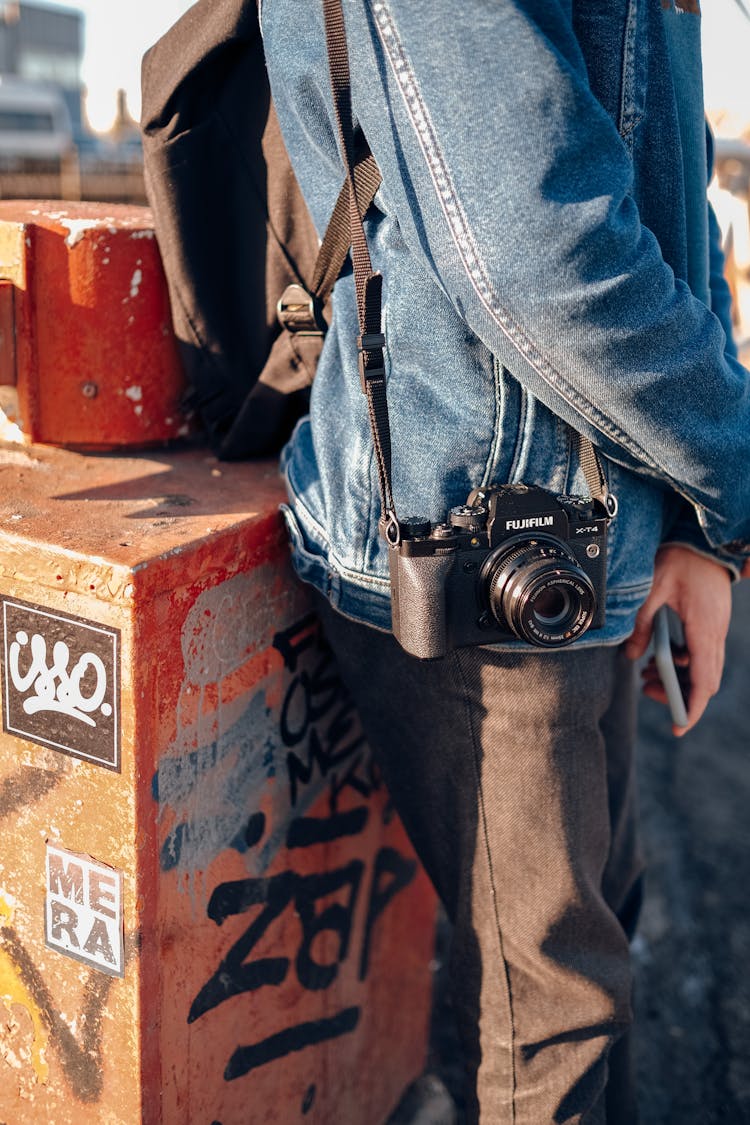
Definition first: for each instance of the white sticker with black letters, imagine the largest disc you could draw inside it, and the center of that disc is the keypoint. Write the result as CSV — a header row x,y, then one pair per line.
x,y
84,916
61,681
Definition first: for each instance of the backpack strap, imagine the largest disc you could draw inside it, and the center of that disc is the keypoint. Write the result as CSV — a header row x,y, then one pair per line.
x,y
300,309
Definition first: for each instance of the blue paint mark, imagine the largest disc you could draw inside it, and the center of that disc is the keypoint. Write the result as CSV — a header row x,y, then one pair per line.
x,y
212,791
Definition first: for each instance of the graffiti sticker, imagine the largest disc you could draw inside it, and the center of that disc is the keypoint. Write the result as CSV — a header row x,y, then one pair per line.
x,y
61,682
83,916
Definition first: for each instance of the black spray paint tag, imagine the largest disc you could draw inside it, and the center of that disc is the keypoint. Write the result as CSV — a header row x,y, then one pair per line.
x,y
61,682
83,910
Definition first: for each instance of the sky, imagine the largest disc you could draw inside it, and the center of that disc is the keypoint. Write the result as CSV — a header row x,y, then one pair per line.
x,y
726,63
119,31
116,34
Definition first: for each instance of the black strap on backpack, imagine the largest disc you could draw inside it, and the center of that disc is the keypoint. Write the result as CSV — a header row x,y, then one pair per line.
x,y
371,340
300,307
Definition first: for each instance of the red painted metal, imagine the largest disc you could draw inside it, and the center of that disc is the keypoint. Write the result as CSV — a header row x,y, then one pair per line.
x,y
208,910
96,360
7,336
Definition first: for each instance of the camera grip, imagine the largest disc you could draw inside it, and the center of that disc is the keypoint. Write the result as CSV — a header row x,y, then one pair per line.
x,y
418,603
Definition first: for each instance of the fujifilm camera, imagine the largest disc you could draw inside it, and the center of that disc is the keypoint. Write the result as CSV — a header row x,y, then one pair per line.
x,y
513,561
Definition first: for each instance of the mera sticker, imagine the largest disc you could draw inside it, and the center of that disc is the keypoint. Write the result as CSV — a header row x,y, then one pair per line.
x,y
83,910
61,681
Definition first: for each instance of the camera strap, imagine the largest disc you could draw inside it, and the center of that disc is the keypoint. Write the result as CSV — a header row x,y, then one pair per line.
x,y
369,287
368,284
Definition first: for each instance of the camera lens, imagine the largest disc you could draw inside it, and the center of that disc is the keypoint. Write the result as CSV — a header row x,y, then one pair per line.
x,y
537,589
552,605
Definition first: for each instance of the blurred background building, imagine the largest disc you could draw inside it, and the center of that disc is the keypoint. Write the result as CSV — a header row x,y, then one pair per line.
x,y
44,45
48,149
726,65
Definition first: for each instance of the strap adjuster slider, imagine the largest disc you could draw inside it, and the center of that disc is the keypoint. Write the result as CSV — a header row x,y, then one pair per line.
x,y
300,312
371,341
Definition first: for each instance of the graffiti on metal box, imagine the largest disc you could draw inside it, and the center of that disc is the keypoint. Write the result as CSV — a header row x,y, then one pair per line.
x,y
313,740
274,818
61,682
80,1055
325,903
317,723
83,916
316,715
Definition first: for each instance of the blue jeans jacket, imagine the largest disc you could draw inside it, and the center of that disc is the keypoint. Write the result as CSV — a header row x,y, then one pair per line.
x,y
531,229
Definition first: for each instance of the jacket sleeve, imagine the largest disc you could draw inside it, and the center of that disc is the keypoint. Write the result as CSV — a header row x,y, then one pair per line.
x,y
543,251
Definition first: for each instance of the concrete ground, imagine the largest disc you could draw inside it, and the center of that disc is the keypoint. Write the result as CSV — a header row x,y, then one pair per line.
x,y
694,942
693,946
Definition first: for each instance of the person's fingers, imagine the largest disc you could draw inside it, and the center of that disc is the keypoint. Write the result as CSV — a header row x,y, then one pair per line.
x,y
654,690
698,591
705,642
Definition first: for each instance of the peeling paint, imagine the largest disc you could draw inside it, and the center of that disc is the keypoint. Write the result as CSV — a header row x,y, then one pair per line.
x,y
76,228
135,282
135,394
9,431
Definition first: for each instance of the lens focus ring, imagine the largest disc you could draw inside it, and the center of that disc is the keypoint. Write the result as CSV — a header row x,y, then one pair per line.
x,y
539,591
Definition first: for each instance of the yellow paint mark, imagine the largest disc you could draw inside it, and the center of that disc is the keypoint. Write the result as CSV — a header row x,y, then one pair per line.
x,y
6,908
14,991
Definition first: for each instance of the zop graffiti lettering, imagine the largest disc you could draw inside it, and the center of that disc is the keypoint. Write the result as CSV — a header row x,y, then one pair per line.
x,y
324,744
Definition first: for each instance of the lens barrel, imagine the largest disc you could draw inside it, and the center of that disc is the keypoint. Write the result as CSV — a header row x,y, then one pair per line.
x,y
538,589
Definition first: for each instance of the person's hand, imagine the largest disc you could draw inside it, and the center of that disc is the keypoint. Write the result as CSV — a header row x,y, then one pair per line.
x,y
699,591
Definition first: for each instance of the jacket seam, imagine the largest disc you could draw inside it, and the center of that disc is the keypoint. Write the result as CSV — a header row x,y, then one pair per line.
x,y
628,116
331,560
492,457
521,435
475,760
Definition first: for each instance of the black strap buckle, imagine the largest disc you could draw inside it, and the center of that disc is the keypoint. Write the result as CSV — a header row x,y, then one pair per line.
x,y
374,369
300,313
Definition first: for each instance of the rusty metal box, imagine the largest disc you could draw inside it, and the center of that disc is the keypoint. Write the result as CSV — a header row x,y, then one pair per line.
x,y
209,912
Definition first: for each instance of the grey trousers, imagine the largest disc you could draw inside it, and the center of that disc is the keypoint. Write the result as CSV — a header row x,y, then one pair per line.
x,y
514,777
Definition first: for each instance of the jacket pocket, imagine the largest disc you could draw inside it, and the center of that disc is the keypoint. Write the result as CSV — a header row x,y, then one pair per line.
x,y
634,71
534,443
613,36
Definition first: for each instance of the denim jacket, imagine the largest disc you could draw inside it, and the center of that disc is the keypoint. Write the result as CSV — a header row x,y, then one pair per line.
x,y
532,232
